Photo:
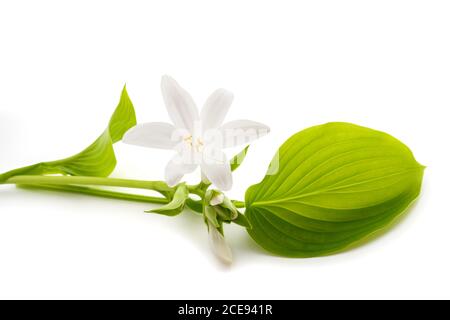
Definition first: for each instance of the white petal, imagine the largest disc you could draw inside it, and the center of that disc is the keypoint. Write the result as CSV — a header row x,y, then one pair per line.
x,y
204,178
176,169
217,199
179,104
215,109
216,168
152,135
219,245
240,132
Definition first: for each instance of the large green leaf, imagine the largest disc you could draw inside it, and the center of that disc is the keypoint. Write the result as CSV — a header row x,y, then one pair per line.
x,y
337,183
96,160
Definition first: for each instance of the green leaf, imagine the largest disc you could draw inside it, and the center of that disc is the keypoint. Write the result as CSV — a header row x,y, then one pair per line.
x,y
195,205
236,161
96,160
242,221
337,184
176,205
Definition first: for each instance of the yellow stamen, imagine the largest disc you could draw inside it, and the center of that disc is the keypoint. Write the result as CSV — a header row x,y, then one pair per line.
x,y
188,140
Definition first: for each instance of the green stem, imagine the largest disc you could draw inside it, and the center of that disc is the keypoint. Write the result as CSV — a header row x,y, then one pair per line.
x,y
159,186
98,192
79,184
196,189
239,204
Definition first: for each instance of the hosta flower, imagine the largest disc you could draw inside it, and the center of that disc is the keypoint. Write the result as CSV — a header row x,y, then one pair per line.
x,y
197,137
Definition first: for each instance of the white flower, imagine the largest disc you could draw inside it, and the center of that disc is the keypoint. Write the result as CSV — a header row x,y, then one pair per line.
x,y
198,138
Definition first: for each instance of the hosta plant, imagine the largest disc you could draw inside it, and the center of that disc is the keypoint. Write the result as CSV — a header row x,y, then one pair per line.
x,y
328,188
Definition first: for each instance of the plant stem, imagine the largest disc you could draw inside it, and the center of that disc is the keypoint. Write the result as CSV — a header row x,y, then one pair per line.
x,y
196,189
158,186
80,184
98,192
239,204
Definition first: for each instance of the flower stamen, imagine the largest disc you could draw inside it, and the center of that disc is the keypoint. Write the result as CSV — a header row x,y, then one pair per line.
x,y
188,140
199,145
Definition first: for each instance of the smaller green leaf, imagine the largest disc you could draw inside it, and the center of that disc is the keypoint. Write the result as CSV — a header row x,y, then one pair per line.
x,y
195,205
96,160
236,161
242,221
177,204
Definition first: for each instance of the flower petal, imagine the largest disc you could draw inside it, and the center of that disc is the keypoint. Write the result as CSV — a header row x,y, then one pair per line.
x,y
217,169
215,109
176,168
240,132
217,199
180,105
152,135
219,245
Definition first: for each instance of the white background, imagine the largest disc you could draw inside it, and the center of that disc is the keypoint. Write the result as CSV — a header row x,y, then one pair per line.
x,y
290,64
